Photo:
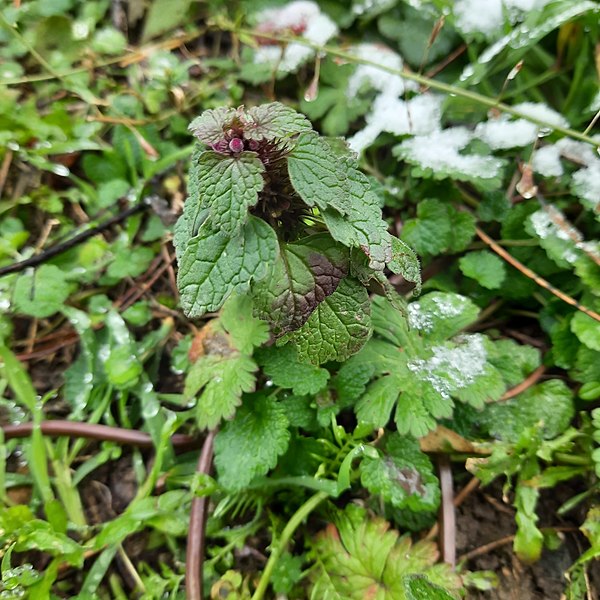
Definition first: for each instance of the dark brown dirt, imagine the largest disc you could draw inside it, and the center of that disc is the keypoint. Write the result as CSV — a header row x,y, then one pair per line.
x,y
484,518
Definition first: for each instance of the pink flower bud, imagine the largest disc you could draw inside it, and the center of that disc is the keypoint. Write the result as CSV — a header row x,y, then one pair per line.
x,y
236,145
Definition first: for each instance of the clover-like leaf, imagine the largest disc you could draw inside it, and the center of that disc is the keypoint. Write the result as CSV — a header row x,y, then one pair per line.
x,y
41,292
250,444
213,264
219,381
360,557
304,274
339,326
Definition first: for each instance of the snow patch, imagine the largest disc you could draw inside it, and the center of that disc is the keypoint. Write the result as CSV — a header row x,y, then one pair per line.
x,y
503,133
388,83
542,112
302,17
440,152
419,115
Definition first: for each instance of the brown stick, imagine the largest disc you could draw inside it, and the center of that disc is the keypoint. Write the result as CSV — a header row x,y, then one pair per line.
x,y
194,555
448,516
502,253
525,384
104,433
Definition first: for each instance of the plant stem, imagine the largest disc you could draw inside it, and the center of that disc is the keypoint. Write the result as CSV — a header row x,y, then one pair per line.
x,y
286,534
440,86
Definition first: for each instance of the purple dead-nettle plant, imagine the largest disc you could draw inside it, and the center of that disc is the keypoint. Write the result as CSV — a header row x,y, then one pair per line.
x,y
279,213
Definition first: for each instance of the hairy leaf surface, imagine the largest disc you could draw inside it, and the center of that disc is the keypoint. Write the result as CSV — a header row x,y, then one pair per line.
x,y
338,327
213,265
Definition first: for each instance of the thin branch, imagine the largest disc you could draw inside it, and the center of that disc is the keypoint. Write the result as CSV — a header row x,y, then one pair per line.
x,y
525,384
105,433
53,251
196,533
420,79
502,253
448,516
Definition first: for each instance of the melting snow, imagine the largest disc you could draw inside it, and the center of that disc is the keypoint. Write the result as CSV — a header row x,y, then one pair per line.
x,y
446,307
546,161
543,112
440,151
487,16
304,17
419,115
586,184
452,368
502,133
388,83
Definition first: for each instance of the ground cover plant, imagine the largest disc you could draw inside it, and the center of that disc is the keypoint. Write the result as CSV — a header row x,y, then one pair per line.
x,y
299,299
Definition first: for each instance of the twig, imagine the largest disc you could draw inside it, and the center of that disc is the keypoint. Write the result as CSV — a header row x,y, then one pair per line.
x,y
196,536
448,517
458,500
525,384
74,241
105,433
534,276
486,548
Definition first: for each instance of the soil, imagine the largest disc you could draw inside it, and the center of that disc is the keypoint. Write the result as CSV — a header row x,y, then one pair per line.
x,y
484,518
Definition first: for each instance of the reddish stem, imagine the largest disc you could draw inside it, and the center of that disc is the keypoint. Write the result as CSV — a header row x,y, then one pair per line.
x,y
105,433
196,538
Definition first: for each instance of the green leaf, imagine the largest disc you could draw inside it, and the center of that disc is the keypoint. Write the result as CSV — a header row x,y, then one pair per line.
x,y
274,120
246,331
316,175
405,262
549,405
225,187
360,225
376,404
587,330
42,292
249,445
486,268
438,228
418,587
304,274
285,370
220,382
338,327
361,557
212,265
403,476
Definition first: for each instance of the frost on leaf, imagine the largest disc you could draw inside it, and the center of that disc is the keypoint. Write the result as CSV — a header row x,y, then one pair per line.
x,y
360,557
249,445
422,369
338,327
403,476
304,275
440,315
